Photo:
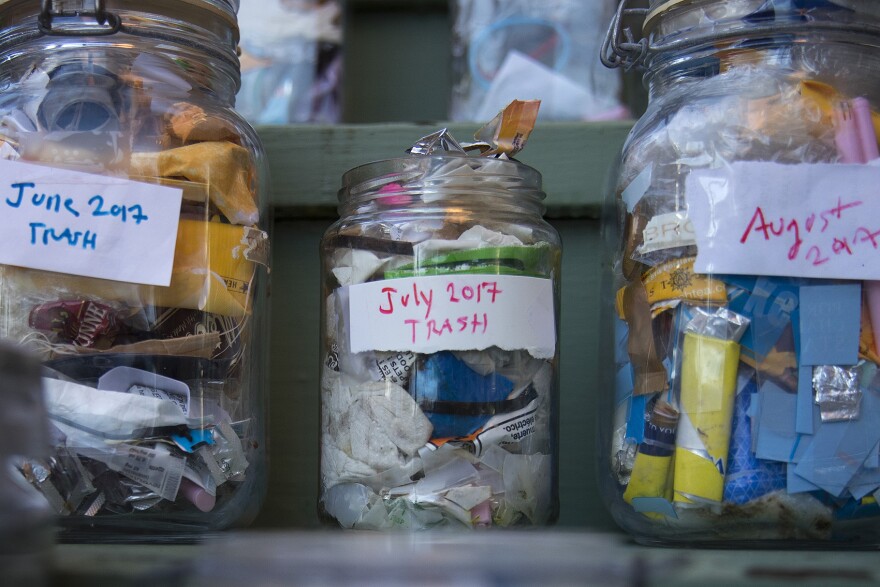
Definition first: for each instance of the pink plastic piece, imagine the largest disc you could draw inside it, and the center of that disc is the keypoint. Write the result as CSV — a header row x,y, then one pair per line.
x,y
846,134
482,515
198,496
393,198
867,137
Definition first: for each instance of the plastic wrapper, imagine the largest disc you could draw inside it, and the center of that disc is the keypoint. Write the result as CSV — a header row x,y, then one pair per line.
x,y
546,50
291,62
739,282
438,397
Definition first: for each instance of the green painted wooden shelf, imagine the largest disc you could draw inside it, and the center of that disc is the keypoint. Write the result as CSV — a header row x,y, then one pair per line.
x,y
306,164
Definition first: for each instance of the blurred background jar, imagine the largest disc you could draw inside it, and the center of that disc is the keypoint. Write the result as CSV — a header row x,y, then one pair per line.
x,y
137,222
738,308
439,389
504,50
291,61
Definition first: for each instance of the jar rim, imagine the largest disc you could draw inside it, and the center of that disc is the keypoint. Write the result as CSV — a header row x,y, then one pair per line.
x,y
654,14
214,27
414,170
225,10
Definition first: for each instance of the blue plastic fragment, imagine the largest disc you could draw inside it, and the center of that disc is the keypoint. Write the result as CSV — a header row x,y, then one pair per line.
x,y
193,439
455,398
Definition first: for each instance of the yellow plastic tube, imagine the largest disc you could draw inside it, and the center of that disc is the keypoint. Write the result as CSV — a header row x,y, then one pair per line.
x,y
708,391
650,477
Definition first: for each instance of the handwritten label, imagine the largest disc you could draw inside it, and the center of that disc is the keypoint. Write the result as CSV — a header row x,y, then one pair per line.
x,y
807,220
86,224
454,312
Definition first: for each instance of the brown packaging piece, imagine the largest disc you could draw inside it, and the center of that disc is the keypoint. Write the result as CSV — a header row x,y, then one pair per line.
x,y
649,374
508,132
225,167
190,123
633,231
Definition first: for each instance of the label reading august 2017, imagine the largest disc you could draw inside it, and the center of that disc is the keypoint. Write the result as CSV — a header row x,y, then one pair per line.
x,y
805,220
85,224
453,312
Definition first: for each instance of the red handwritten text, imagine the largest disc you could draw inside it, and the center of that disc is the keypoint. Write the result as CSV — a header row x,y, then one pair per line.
x,y
816,235
474,324
418,297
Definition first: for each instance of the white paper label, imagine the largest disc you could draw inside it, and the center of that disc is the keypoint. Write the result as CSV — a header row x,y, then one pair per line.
x,y
86,224
453,312
806,220
667,231
155,469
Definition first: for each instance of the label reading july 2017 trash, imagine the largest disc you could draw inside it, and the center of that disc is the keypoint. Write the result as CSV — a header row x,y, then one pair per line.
x,y
454,312
85,224
805,220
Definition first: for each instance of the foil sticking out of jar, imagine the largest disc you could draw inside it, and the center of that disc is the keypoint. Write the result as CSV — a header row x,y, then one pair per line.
x,y
718,323
435,143
837,392
505,135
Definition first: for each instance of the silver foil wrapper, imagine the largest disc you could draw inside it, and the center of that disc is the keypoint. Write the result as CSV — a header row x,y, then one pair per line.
x,y
836,390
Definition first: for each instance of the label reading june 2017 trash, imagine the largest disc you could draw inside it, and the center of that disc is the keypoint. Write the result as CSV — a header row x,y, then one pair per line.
x,y
453,312
85,224
805,220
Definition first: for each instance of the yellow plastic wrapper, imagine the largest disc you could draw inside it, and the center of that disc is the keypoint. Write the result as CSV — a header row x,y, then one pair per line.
x,y
824,97
651,474
214,265
676,280
227,251
708,391
224,167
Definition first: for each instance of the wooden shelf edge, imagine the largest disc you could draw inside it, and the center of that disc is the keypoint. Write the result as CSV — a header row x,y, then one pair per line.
x,y
306,162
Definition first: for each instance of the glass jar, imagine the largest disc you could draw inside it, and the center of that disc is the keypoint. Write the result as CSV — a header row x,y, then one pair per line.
x,y
439,386
136,258
738,308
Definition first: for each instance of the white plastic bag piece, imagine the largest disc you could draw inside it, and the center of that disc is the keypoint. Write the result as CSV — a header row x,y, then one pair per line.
x,y
386,425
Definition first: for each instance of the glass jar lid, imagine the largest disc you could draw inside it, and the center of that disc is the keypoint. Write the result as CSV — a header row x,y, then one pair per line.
x,y
208,27
635,35
172,19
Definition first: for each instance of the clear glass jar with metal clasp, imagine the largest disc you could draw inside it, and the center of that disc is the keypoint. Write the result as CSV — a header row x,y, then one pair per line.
x,y
134,224
741,307
439,387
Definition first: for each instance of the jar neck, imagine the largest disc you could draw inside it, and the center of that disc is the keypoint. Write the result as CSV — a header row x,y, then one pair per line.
x,y
690,40
181,46
436,184
850,63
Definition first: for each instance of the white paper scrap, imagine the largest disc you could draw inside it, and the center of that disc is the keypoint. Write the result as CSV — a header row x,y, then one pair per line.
x,y
111,414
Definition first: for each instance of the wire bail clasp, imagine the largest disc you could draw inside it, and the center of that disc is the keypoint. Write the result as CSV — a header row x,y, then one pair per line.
x,y
77,25
621,48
